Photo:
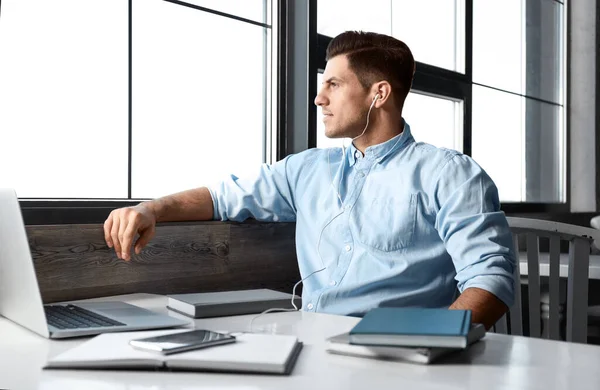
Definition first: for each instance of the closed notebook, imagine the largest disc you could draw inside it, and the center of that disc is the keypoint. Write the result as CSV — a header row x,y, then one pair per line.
x,y
340,344
229,303
255,353
414,327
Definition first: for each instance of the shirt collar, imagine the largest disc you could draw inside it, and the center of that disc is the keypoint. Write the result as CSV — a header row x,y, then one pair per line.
x,y
380,151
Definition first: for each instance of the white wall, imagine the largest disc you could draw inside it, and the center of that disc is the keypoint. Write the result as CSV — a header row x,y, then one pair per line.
x,y
582,105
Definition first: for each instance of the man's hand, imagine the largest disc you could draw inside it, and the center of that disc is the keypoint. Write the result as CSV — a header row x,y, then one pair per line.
x,y
123,224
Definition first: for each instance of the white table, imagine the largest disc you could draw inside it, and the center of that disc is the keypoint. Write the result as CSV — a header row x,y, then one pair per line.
x,y
496,362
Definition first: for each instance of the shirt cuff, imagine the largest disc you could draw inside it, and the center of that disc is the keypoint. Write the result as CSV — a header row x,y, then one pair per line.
x,y
213,195
501,286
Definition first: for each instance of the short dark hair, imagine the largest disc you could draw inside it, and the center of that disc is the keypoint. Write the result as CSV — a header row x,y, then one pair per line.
x,y
374,57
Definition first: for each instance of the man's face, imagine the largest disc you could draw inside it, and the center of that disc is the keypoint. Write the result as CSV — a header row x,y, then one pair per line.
x,y
343,100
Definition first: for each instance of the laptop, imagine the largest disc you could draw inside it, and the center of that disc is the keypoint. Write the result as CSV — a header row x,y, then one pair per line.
x,y
21,301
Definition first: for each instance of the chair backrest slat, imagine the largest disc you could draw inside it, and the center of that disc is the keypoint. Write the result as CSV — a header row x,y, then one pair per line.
x,y
516,318
533,279
554,289
501,326
580,239
577,290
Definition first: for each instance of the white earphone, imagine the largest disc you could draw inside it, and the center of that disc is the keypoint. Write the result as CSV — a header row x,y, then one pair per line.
x,y
337,190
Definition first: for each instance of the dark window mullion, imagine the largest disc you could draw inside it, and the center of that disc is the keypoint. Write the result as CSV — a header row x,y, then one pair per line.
x,y
129,86
282,79
468,99
530,97
438,83
322,43
33,203
597,116
265,75
313,65
554,209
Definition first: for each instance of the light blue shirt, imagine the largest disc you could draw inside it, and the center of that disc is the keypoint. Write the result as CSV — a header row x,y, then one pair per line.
x,y
416,222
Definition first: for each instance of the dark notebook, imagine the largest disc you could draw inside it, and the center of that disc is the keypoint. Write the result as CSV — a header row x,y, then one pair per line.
x,y
229,303
414,327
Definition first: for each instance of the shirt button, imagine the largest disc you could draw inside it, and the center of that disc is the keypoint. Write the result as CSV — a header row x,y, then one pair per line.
x,y
332,283
348,248
360,174
309,306
358,154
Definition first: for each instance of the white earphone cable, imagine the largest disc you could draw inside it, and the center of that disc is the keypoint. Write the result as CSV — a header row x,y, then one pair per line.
x,y
337,191
327,224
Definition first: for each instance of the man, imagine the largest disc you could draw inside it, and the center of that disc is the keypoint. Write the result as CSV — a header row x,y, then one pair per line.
x,y
387,222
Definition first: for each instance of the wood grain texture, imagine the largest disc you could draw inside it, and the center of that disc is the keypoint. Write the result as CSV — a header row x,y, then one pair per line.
x,y
74,262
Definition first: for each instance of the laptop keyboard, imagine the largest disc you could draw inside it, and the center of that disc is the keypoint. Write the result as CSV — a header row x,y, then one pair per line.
x,y
75,317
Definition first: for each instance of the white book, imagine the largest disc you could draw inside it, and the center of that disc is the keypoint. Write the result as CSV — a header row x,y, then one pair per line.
x,y
256,353
341,345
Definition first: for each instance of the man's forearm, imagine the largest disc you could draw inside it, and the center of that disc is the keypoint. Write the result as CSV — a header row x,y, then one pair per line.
x,y
485,307
191,205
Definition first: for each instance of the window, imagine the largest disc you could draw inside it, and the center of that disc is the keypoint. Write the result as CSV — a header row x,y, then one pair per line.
x,y
435,120
433,29
518,114
197,115
493,73
65,96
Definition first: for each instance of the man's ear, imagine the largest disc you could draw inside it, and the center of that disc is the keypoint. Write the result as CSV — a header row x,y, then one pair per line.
x,y
382,90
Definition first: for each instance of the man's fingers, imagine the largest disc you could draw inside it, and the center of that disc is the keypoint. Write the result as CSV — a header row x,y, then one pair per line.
x,y
107,228
122,227
114,234
144,239
127,239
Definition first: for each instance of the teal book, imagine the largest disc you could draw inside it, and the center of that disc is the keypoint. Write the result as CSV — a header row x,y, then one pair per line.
x,y
413,327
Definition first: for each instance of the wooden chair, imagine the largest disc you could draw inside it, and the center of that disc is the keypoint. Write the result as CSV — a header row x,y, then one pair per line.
x,y
580,239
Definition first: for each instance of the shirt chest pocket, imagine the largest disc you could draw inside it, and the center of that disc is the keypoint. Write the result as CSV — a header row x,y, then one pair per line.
x,y
387,224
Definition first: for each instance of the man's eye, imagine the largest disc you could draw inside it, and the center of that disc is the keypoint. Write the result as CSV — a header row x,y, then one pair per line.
x,y
334,84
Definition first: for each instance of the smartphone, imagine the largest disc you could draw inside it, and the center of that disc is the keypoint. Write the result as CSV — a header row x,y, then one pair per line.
x,y
183,341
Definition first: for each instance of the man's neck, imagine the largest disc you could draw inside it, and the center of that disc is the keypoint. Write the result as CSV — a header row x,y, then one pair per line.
x,y
378,135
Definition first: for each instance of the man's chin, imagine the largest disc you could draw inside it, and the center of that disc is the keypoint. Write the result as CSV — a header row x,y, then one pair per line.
x,y
333,134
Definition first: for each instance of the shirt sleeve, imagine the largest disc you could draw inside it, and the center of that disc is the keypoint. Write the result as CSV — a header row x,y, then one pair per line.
x,y
474,230
266,196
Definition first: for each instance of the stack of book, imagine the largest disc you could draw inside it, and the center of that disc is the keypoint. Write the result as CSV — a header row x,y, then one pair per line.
x,y
409,334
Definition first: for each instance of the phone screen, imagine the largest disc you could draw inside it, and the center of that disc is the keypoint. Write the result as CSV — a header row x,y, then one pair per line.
x,y
182,341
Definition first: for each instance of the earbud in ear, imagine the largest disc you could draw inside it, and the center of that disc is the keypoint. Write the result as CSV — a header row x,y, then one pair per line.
x,y
376,97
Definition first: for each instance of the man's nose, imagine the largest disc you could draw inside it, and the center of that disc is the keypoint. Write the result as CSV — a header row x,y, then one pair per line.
x,y
320,100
